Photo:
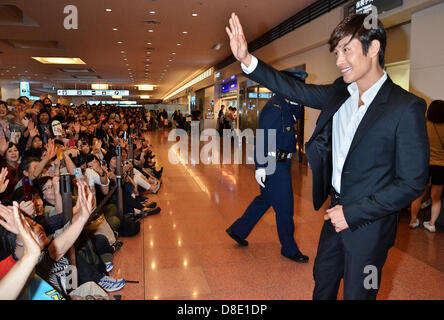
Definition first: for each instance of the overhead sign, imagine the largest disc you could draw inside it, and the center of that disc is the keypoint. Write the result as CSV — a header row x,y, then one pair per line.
x,y
113,102
24,89
364,6
91,93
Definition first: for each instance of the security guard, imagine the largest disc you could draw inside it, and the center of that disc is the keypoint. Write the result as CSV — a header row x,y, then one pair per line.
x,y
276,188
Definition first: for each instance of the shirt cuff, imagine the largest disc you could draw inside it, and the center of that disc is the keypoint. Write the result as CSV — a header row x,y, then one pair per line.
x,y
252,67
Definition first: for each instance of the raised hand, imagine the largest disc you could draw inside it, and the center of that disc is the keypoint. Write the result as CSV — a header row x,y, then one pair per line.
x,y
7,219
29,238
3,181
51,149
85,199
28,208
3,145
238,43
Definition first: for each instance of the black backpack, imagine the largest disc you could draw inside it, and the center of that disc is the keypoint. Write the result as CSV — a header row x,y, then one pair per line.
x,y
128,227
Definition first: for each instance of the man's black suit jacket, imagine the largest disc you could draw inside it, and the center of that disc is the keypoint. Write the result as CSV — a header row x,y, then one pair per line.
x,y
386,167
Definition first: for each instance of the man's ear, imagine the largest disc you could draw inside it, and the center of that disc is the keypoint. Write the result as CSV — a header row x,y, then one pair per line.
x,y
373,50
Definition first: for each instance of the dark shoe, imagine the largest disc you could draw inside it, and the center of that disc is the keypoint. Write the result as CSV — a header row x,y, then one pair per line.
x,y
149,212
150,205
298,257
238,239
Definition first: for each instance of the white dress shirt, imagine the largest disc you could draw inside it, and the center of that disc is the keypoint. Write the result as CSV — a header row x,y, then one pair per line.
x,y
345,121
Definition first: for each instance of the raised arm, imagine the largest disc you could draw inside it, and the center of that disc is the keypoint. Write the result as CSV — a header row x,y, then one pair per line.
x,y
314,96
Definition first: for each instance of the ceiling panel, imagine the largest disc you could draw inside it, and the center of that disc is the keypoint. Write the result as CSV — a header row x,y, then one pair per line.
x,y
96,43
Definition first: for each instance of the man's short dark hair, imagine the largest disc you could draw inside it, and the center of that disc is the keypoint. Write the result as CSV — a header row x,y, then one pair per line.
x,y
353,26
91,157
25,163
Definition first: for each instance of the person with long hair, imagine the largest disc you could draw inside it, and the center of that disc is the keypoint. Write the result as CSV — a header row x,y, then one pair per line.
x,y
435,131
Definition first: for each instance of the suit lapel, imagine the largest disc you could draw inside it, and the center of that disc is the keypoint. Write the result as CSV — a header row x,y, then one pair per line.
x,y
329,112
376,108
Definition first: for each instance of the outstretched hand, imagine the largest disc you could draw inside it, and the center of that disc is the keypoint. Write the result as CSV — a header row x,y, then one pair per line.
x,y
85,199
7,219
3,181
29,238
238,43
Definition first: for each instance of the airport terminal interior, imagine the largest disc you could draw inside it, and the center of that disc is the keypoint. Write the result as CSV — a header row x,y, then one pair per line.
x,y
124,84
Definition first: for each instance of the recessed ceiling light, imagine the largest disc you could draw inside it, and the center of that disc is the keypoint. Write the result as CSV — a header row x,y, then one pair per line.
x,y
148,43
109,10
184,32
115,29
152,12
194,14
173,53
122,51
54,60
125,59
150,30
178,44
119,42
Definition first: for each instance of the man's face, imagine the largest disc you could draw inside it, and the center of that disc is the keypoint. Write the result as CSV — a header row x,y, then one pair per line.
x,y
32,166
351,61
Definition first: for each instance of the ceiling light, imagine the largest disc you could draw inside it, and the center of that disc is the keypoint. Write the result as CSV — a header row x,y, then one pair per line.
x,y
145,97
152,12
217,46
119,42
54,60
96,86
115,29
194,14
173,53
117,97
184,32
150,30
178,44
122,51
109,10
149,43
145,87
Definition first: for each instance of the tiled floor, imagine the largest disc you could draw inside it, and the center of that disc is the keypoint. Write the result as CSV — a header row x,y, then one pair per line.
x,y
184,252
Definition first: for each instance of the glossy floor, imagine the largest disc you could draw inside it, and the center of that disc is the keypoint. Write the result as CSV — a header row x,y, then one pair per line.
x,y
184,252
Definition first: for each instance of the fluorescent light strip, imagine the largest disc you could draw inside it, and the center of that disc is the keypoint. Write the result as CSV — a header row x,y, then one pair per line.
x,y
199,78
58,60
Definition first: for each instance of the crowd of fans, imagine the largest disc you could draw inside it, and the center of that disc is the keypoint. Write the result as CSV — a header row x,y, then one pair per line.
x,y
45,251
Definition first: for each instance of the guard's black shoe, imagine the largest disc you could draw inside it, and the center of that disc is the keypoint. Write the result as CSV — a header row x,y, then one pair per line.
x,y
150,205
298,257
149,212
238,239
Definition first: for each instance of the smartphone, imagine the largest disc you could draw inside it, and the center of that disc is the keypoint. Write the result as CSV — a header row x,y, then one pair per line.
x,y
27,189
78,173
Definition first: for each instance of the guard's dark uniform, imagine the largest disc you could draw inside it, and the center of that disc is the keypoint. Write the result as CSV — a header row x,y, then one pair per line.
x,y
278,192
